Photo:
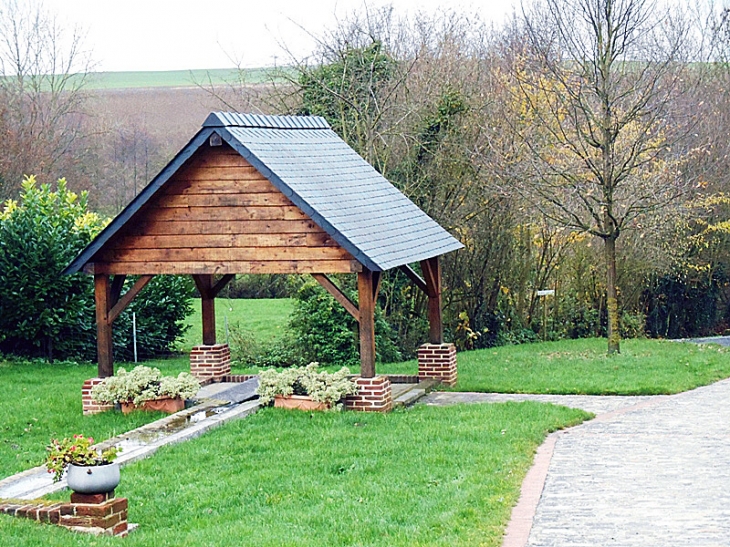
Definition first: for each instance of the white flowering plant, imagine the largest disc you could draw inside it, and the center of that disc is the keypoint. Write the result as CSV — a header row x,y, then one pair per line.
x,y
321,386
144,384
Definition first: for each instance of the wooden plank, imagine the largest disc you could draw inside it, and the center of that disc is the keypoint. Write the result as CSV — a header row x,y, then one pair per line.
x,y
188,227
104,346
414,277
125,300
432,275
273,199
239,185
225,241
218,159
338,295
367,323
249,213
231,174
220,254
231,267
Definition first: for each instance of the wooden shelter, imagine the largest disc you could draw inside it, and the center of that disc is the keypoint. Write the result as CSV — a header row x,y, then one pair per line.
x,y
265,194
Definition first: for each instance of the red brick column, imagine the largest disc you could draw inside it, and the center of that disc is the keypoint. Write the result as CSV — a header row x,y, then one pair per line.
x,y
210,362
100,514
88,404
437,361
373,395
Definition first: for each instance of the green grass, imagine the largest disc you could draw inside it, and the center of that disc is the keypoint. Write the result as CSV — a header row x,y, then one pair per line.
x,y
41,401
425,476
175,78
264,319
644,367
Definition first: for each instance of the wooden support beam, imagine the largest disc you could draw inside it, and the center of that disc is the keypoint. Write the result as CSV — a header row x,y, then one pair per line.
x,y
104,346
432,276
125,300
221,283
207,299
116,290
414,277
377,278
366,289
338,295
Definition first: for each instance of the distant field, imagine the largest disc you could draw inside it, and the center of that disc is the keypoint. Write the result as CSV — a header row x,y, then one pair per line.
x,y
175,78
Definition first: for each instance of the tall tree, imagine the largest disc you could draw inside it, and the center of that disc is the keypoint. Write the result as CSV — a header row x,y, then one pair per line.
x,y
42,72
595,83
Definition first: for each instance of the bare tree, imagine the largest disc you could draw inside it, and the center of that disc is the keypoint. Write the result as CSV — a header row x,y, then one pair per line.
x,y
594,85
42,72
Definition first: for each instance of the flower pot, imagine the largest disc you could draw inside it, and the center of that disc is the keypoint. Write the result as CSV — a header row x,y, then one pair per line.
x,y
97,479
165,404
298,402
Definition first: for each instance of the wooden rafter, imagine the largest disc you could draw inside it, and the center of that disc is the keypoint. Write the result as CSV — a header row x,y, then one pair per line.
x,y
338,295
125,300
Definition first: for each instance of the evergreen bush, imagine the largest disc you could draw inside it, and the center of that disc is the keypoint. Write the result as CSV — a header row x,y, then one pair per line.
x,y
44,313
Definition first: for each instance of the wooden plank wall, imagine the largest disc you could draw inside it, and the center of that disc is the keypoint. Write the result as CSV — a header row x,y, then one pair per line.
x,y
219,215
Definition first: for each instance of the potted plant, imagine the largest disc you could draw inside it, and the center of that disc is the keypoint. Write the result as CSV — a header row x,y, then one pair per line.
x,y
305,388
146,388
90,470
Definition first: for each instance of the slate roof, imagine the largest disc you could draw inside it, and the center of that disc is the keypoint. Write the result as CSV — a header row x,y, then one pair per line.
x,y
341,192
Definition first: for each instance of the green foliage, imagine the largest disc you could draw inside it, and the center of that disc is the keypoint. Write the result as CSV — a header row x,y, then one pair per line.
x,y
345,91
76,451
321,386
161,309
144,384
262,286
42,311
323,331
45,313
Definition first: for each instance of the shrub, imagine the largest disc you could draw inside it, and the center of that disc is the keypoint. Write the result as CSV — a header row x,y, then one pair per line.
x,y
144,384
323,331
45,313
323,387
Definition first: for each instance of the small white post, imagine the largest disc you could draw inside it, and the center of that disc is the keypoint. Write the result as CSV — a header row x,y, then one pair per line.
x,y
134,335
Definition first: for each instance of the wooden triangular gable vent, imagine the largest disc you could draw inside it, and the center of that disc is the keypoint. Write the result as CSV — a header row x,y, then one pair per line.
x,y
218,214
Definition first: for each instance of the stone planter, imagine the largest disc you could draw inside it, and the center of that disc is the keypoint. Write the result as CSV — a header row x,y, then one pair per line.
x,y
97,479
299,402
166,404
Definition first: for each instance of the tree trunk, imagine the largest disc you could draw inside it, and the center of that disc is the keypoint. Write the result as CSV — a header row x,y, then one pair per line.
x,y
614,337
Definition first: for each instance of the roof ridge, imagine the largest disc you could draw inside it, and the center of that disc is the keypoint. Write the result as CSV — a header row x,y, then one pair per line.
x,y
263,121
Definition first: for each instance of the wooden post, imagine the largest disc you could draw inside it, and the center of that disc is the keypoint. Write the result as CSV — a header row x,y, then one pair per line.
x,y
207,300
366,301
104,346
432,276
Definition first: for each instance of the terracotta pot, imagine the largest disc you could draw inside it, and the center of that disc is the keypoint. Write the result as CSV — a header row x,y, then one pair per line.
x,y
166,404
97,479
299,402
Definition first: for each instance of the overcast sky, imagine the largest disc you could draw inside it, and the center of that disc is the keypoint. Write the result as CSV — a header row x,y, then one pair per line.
x,y
184,34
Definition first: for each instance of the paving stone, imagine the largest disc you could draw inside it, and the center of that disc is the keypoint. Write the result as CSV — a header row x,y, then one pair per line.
x,y
657,474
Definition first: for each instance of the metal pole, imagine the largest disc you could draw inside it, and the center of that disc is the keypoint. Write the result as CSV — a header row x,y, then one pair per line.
x,y
134,335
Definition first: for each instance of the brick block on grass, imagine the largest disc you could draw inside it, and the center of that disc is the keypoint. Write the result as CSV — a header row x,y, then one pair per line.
x,y
438,361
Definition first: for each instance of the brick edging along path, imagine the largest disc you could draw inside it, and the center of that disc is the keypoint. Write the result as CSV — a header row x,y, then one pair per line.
x,y
650,471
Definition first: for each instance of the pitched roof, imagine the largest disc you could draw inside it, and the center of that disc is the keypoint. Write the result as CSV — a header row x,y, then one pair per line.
x,y
341,192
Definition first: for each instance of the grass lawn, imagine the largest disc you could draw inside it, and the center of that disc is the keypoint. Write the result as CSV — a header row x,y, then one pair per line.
x,y
42,401
644,367
424,476
265,319
174,78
